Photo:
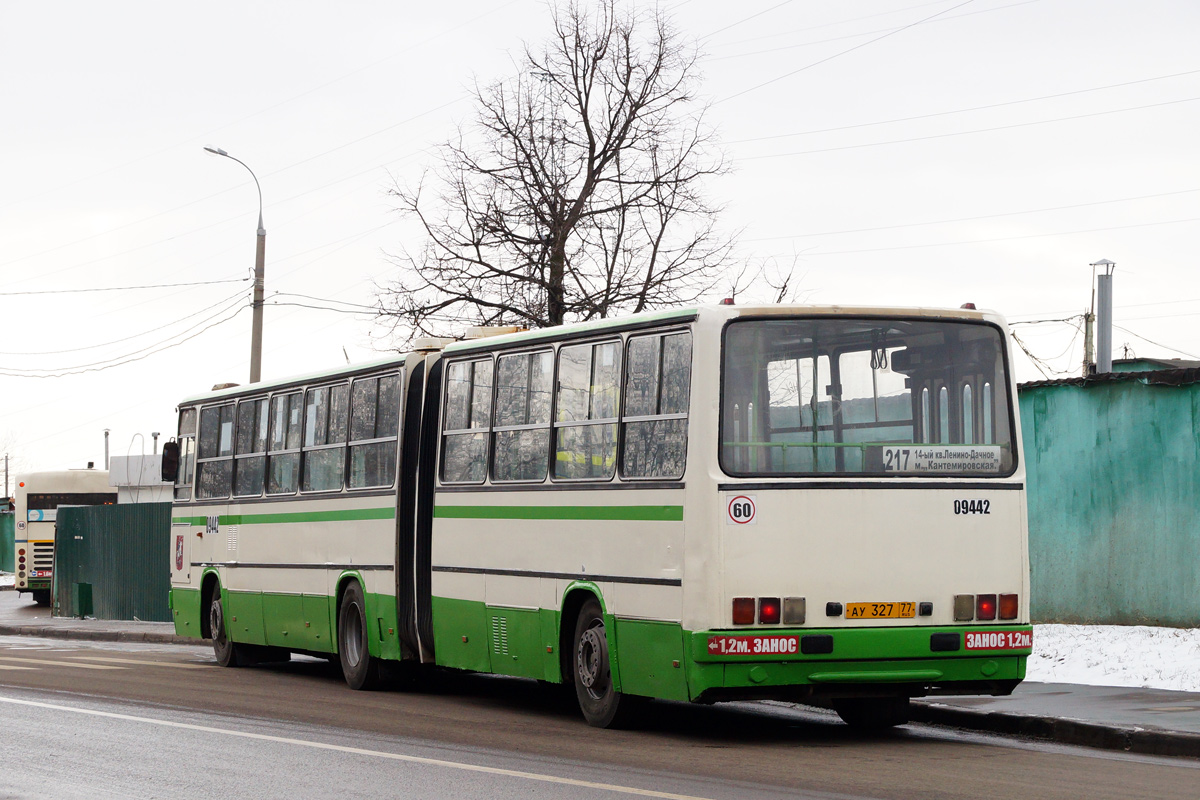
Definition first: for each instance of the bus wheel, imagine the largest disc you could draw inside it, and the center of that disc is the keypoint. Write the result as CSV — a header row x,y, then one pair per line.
x,y
359,667
227,652
872,713
601,704
41,597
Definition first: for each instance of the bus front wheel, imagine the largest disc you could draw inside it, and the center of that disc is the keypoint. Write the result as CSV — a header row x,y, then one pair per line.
x,y
359,667
872,713
601,704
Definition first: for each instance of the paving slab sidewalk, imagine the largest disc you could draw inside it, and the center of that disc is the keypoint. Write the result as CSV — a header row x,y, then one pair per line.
x,y
1146,721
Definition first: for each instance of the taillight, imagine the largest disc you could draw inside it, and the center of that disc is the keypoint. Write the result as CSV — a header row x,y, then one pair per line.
x,y
768,610
743,611
1008,606
985,606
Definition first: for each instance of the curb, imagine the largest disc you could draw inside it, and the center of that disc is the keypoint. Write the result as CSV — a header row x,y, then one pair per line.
x,y
1126,738
52,632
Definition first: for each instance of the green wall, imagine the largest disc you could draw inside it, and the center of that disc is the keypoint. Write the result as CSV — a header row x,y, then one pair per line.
x,y
112,562
7,544
1114,499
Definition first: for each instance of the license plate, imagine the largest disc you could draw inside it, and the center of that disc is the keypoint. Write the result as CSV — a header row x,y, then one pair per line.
x,y
880,610
999,640
753,645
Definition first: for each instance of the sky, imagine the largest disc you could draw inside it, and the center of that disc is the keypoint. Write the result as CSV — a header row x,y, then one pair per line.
x,y
890,152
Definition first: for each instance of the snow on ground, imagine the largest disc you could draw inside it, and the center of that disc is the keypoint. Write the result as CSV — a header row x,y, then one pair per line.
x,y
7,579
1116,655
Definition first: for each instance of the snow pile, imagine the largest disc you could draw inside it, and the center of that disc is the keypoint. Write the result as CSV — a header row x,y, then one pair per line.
x,y
7,579
1116,655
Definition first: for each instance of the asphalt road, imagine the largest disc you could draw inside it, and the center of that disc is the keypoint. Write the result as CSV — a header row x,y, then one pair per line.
x,y
83,720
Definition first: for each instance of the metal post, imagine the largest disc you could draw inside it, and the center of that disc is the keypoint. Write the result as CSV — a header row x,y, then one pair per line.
x,y
154,435
1104,323
106,448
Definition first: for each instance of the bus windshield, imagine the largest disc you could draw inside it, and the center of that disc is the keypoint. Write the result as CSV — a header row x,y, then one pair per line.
x,y
884,397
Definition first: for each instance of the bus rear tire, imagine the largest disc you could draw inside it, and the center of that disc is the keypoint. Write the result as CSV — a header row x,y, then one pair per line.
x,y
41,597
872,713
359,667
602,705
227,652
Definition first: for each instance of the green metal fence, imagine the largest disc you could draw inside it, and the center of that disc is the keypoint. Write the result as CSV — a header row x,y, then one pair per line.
x,y
7,530
111,562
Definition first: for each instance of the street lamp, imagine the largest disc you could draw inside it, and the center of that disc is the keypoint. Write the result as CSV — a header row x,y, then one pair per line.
x,y
259,268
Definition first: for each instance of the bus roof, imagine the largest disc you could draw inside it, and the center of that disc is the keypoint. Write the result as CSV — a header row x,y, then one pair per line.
x,y
597,326
308,377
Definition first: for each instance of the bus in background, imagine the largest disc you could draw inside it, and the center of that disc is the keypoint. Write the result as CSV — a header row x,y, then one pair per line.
x,y
36,502
821,504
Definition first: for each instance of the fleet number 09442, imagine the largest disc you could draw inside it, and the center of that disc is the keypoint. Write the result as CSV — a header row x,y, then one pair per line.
x,y
972,506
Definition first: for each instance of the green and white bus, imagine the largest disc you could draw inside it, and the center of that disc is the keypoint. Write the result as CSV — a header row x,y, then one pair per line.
x,y
819,504
36,502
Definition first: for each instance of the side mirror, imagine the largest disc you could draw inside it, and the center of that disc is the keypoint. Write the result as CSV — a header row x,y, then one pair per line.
x,y
170,461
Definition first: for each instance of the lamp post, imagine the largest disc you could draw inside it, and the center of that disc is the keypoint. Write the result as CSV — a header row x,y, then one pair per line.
x,y
260,255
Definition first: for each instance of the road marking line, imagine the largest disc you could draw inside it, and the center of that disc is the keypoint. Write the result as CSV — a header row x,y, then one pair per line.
x,y
435,762
8,666
57,663
148,663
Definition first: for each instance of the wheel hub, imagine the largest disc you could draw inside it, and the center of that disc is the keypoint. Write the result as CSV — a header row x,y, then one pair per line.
x,y
590,659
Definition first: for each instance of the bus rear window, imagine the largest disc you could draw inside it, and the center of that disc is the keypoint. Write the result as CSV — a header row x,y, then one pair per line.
x,y
865,396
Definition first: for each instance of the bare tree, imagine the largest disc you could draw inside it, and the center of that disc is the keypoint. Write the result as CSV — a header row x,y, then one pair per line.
x,y
576,191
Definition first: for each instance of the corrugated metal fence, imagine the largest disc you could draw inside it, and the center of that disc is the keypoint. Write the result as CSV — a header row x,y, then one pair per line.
x,y
7,531
111,562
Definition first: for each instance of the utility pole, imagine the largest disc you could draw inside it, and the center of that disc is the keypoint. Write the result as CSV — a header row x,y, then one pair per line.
x,y
260,255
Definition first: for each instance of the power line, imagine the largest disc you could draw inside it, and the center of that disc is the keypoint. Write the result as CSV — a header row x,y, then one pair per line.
x,y
833,24
127,338
962,110
975,218
135,355
74,371
860,34
744,19
1001,238
123,288
842,53
977,130
1156,344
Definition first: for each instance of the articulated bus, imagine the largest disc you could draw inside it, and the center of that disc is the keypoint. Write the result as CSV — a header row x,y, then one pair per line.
x,y
817,504
35,506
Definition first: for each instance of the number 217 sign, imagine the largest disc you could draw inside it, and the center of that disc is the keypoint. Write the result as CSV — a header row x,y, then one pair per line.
x,y
741,510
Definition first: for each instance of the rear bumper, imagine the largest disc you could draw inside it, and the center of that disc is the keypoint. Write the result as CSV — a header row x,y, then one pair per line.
x,y
914,662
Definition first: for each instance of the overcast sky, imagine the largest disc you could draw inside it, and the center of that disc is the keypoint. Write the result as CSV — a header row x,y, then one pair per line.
x,y
986,155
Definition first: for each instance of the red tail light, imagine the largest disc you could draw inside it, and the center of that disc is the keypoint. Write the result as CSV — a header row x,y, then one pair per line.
x,y
985,606
768,611
1008,606
743,611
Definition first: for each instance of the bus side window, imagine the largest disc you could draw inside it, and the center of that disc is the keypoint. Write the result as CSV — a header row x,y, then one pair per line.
x,y
187,454
587,403
323,461
215,452
522,416
657,387
374,418
283,457
466,419
250,461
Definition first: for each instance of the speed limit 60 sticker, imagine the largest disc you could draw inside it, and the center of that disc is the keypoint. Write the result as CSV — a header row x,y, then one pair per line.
x,y
741,510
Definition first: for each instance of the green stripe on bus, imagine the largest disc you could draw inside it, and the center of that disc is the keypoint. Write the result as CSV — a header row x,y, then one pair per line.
x,y
347,515
623,513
